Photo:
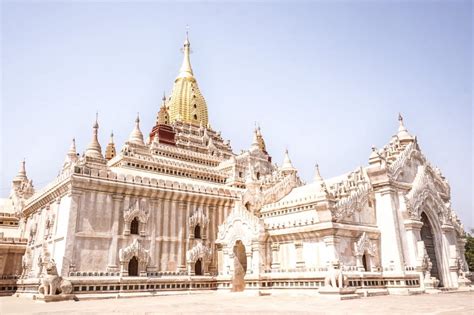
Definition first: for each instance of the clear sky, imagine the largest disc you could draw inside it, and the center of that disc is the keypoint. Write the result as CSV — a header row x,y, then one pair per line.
x,y
325,79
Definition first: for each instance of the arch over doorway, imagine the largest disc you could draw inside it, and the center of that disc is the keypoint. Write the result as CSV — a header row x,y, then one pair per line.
x,y
428,238
133,267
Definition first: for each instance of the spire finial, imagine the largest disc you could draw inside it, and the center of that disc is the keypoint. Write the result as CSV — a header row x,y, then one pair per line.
x,y
287,166
112,136
317,174
186,71
402,130
96,123
94,150
21,172
136,136
164,96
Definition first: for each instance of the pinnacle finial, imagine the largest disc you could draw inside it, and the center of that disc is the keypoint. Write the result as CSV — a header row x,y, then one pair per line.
x,y
317,174
112,136
94,150
402,130
96,123
164,96
136,136
21,172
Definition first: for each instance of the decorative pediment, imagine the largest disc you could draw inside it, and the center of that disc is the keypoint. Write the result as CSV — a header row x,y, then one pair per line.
x,y
198,217
240,225
424,192
136,210
134,249
365,245
199,251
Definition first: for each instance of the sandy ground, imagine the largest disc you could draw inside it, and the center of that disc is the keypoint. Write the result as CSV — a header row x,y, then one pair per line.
x,y
235,303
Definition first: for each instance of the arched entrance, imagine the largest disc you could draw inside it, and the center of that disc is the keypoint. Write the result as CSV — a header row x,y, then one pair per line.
x,y
133,267
240,267
366,262
430,245
198,267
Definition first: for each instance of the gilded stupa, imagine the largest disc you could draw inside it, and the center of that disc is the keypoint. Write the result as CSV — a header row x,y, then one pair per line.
x,y
186,103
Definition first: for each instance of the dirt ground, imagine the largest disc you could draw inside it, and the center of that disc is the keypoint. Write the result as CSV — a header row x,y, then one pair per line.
x,y
237,303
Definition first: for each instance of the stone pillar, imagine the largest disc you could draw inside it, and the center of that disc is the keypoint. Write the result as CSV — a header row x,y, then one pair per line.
x,y
331,242
181,256
249,261
275,259
413,228
359,263
391,252
152,223
256,258
70,242
226,263
299,255
113,250
450,276
220,260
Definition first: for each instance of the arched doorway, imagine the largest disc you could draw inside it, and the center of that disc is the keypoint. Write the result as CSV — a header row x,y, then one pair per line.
x,y
240,267
133,267
198,267
197,231
134,226
366,262
430,245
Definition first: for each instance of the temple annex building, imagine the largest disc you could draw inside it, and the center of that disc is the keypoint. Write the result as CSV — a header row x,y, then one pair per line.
x,y
177,210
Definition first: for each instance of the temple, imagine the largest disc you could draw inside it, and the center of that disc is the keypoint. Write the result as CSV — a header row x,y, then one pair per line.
x,y
178,210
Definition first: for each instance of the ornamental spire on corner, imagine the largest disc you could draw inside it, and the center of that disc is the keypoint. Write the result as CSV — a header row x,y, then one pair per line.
x,y
21,172
94,150
403,134
136,136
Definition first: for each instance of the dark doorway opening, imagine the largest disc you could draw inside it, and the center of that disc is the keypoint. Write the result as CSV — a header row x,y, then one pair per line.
x,y
430,246
197,231
134,226
198,267
133,267
365,261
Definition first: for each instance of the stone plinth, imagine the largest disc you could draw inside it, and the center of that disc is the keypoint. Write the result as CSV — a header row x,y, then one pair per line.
x,y
338,293
53,298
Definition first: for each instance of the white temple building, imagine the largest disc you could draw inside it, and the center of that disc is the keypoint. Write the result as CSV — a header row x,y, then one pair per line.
x,y
178,210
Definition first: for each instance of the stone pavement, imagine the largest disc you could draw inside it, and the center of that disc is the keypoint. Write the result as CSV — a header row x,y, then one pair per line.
x,y
237,303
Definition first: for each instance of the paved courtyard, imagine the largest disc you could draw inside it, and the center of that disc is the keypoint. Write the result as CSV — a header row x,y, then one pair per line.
x,y
229,303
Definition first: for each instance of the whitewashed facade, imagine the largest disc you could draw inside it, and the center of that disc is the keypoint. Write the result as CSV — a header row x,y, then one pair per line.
x,y
182,211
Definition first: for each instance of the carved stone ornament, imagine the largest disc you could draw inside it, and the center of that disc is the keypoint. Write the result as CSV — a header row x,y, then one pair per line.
x,y
136,211
134,249
199,251
198,217
364,245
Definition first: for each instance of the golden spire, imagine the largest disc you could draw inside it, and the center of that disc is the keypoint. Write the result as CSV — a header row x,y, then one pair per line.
x,y
261,142
163,117
110,149
186,103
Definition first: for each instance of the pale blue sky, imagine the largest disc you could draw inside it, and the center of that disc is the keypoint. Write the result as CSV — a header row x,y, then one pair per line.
x,y
325,79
